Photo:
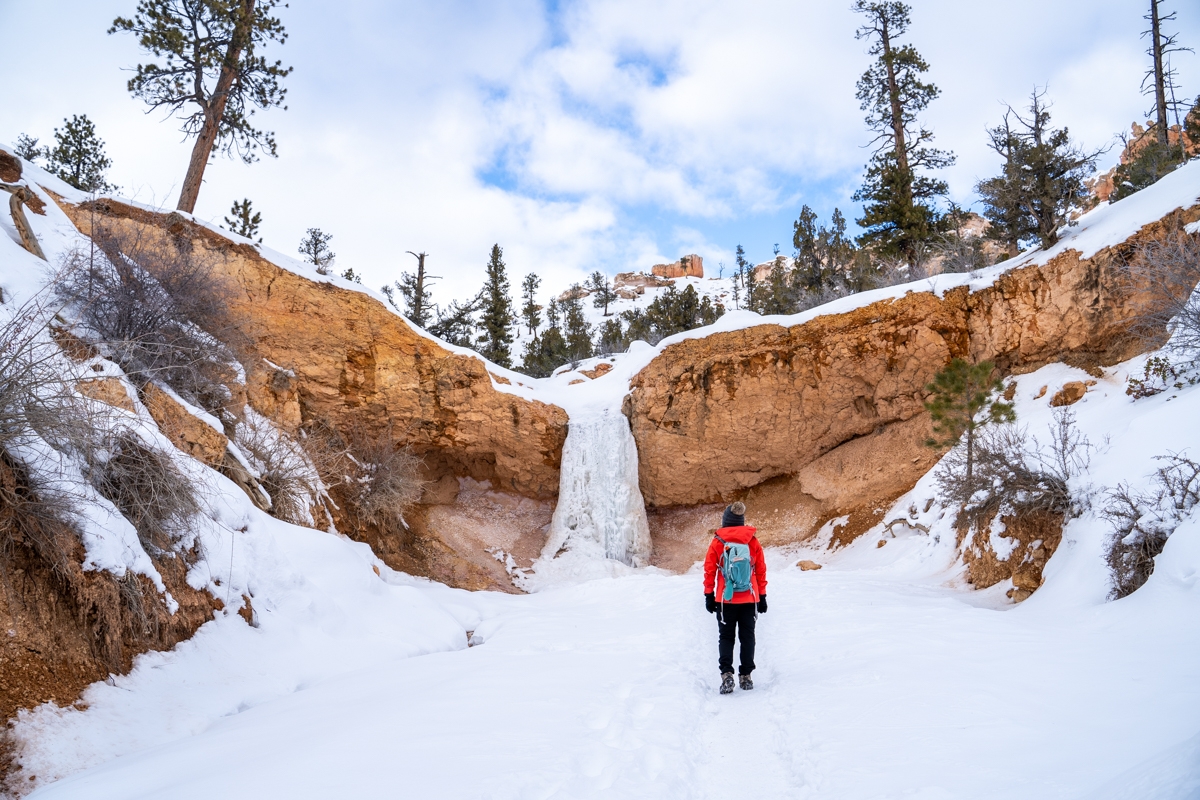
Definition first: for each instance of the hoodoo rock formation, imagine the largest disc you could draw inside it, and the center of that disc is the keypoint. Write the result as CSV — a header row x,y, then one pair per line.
x,y
689,266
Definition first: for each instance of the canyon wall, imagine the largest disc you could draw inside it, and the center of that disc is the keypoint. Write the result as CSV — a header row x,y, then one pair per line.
x,y
314,350
753,410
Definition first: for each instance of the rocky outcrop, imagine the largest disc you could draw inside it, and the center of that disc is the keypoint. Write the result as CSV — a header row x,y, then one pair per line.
x,y
187,432
318,351
689,266
714,417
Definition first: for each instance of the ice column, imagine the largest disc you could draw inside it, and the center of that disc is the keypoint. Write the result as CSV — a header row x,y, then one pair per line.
x,y
600,507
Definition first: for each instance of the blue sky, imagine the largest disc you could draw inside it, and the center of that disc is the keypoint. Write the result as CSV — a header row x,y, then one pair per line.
x,y
579,134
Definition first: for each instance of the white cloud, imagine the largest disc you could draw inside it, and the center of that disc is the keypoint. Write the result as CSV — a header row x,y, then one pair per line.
x,y
615,129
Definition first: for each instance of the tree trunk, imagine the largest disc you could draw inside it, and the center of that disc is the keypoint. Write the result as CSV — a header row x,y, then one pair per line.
x,y
894,97
419,294
1160,94
214,111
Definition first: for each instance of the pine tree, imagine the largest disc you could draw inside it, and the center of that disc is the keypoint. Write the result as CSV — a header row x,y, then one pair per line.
x,y
1004,195
775,296
602,291
1051,170
554,313
78,156
207,60
611,337
809,269
27,148
897,213
544,353
745,276
840,248
245,220
530,310
315,249
414,292
576,330
961,403
1159,80
456,324
497,320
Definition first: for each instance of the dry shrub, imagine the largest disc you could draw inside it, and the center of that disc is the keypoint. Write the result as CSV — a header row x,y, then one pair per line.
x,y
378,478
387,477
1015,473
156,307
1143,521
146,486
284,469
1161,279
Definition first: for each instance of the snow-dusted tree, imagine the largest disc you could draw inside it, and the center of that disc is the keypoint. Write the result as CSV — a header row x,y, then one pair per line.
x,y
602,291
531,312
315,249
1049,170
1004,195
244,220
576,330
210,73
78,155
898,214
497,320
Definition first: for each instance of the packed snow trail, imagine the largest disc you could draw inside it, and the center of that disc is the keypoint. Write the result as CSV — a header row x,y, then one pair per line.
x,y
869,687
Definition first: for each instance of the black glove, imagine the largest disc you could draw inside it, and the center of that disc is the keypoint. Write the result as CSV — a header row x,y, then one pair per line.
x,y
762,604
710,603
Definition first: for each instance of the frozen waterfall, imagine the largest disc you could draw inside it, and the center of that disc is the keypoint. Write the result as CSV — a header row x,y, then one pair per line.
x,y
600,508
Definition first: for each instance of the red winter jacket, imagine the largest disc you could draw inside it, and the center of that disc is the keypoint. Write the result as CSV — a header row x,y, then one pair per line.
x,y
743,534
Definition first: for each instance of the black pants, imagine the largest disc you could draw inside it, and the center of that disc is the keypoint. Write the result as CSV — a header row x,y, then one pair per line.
x,y
736,619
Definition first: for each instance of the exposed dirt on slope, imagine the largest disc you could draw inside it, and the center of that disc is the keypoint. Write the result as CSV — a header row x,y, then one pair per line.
x,y
61,627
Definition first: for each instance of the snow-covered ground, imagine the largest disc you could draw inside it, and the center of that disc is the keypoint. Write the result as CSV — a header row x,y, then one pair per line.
x,y
880,676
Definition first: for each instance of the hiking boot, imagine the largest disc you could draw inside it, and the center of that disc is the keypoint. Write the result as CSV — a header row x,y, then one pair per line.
x,y
746,683
727,683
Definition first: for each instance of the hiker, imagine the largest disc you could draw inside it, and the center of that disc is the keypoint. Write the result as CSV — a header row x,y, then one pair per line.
x,y
735,561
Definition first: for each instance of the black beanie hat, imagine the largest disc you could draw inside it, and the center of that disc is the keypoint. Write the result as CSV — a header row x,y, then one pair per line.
x,y
734,516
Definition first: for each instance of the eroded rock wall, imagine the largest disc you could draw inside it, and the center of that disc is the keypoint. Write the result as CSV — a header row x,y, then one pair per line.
x,y
717,416
315,350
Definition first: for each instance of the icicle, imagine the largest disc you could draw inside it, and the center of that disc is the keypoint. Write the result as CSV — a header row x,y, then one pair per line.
x,y
600,506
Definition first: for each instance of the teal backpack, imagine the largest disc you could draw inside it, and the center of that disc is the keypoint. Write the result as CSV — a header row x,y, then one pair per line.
x,y
736,569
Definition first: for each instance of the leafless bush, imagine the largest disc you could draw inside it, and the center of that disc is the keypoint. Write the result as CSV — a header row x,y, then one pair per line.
x,y
41,418
155,307
386,479
284,468
1161,278
146,487
378,478
956,252
1143,521
1016,473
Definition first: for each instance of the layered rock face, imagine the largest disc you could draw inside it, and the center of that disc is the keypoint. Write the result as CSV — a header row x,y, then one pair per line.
x,y
320,352
717,416
689,266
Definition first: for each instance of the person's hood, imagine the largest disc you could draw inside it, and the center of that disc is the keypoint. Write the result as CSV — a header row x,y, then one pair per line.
x,y
741,534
